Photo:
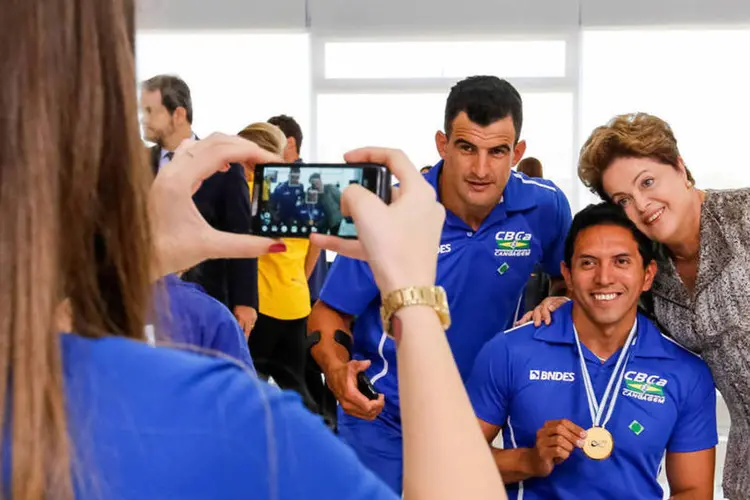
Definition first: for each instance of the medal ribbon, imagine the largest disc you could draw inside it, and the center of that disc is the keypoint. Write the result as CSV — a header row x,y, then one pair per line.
x,y
597,409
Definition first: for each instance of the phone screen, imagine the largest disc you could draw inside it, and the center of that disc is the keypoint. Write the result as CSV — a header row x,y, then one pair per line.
x,y
298,200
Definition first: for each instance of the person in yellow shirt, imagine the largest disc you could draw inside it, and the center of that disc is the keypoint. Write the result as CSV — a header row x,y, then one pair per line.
x,y
278,343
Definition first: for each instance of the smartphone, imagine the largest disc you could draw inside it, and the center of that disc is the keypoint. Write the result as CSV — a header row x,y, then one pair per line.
x,y
365,386
299,199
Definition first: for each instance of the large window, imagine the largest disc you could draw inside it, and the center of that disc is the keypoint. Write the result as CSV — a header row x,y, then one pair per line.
x,y
391,92
451,59
697,80
409,122
235,78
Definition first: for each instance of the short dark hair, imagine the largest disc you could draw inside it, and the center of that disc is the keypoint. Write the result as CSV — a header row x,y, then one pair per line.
x,y
531,166
295,170
175,93
486,99
607,214
290,127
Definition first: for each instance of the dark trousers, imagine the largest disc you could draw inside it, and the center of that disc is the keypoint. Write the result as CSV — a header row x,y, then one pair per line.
x,y
279,350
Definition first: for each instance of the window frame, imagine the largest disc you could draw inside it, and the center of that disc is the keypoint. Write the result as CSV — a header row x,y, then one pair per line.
x,y
569,83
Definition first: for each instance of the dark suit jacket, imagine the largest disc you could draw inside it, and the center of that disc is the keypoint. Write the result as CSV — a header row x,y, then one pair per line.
x,y
224,201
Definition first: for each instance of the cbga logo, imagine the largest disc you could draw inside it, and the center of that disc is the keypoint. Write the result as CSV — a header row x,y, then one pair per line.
x,y
644,387
513,244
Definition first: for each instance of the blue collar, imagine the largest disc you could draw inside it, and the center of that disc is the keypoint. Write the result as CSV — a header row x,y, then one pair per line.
x,y
649,344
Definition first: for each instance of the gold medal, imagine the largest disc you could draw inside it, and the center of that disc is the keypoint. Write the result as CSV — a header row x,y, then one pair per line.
x,y
599,443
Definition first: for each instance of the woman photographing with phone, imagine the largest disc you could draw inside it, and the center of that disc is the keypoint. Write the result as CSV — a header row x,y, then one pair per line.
x,y
700,292
97,413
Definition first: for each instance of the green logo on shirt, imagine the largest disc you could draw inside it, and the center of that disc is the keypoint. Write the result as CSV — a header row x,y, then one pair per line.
x,y
503,267
636,427
513,245
644,388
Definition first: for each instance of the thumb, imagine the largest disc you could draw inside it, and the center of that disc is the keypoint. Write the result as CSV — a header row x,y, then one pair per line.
x,y
360,365
357,200
223,245
348,248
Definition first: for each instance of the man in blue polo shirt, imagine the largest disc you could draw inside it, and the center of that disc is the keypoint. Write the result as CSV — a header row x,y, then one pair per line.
x,y
589,405
288,198
499,224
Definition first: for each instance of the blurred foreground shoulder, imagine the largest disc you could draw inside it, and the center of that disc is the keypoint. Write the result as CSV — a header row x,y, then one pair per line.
x,y
162,423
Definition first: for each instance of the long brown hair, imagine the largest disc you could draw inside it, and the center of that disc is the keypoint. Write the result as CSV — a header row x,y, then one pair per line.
x,y
73,222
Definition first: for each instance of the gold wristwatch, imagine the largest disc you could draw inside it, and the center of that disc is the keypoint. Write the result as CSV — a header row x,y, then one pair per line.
x,y
432,296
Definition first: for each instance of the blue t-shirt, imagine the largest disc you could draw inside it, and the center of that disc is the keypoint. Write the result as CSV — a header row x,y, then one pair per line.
x,y
158,423
667,402
197,319
484,273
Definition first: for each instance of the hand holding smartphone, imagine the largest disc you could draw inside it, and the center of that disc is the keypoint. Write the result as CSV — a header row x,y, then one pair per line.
x,y
297,200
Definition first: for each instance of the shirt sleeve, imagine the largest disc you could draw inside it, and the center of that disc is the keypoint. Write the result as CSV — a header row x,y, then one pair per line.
x,y
695,428
554,251
228,336
349,287
489,383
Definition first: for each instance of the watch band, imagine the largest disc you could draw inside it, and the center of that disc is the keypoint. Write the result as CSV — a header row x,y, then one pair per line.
x,y
431,296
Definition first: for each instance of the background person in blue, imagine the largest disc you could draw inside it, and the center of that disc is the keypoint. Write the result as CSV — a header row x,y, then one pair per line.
x,y
530,382
288,198
498,225
186,314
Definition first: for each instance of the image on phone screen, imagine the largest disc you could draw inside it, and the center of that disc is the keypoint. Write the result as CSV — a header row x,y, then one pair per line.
x,y
299,200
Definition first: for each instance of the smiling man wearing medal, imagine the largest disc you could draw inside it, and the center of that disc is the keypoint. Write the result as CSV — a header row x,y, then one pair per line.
x,y
590,404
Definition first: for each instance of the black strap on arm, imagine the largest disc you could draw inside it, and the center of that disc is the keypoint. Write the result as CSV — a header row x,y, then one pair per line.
x,y
339,336
343,339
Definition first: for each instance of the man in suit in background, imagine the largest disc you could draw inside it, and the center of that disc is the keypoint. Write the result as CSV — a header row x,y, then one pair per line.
x,y
223,199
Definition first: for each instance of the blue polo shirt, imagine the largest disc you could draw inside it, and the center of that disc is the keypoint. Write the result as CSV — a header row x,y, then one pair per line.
x,y
483,272
667,402
289,201
193,317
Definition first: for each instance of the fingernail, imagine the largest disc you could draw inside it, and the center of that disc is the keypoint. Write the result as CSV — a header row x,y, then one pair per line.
x,y
277,248
583,434
579,444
